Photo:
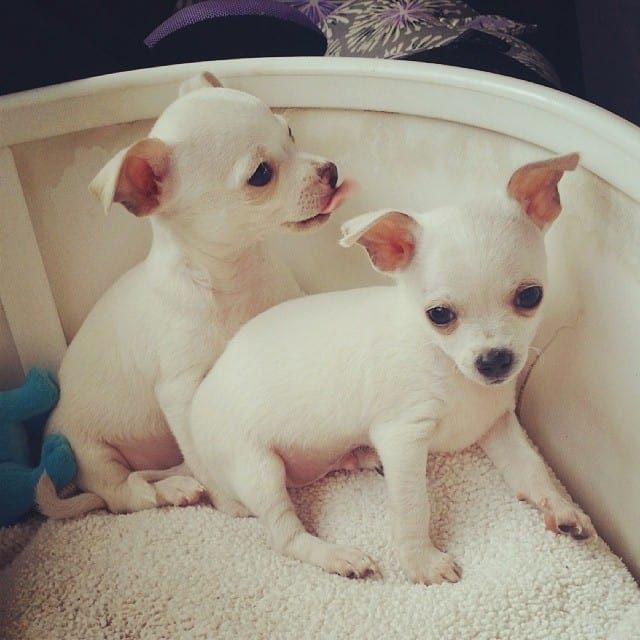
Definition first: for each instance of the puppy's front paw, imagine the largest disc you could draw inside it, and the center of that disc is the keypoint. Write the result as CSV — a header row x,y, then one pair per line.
x,y
431,566
179,491
566,519
348,562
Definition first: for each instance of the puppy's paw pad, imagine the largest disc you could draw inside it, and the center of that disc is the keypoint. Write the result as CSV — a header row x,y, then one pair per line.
x,y
179,491
432,566
568,520
348,562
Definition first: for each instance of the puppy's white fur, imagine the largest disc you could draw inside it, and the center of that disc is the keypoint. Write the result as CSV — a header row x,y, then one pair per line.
x,y
129,375
308,381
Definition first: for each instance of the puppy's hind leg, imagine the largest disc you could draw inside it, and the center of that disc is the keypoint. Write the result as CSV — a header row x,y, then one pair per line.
x,y
264,493
222,500
103,471
174,486
105,480
225,503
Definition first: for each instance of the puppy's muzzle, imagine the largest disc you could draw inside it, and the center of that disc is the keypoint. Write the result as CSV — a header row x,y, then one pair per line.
x,y
328,174
496,364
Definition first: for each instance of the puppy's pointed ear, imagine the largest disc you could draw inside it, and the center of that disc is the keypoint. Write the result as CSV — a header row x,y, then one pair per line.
x,y
388,236
134,177
535,187
202,81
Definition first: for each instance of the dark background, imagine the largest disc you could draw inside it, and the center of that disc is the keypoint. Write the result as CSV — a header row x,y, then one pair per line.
x,y
593,44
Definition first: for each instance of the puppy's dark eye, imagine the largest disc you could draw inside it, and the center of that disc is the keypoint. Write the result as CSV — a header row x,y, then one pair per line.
x,y
291,135
261,176
529,297
441,315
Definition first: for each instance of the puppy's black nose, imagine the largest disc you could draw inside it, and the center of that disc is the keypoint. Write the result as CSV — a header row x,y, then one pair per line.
x,y
495,363
329,174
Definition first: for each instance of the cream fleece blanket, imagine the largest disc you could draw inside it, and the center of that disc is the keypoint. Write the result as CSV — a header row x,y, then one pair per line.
x,y
196,573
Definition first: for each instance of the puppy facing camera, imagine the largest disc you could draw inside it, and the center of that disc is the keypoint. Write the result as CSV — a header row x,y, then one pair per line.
x,y
429,364
476,272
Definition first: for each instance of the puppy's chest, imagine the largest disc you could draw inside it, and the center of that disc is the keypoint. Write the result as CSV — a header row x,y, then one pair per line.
x,y
469,410
456,411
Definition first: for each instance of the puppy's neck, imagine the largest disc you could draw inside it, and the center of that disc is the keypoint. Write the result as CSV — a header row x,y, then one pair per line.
x,y
219,268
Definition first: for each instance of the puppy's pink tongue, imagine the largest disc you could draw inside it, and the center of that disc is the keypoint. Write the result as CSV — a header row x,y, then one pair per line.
x,y
347,188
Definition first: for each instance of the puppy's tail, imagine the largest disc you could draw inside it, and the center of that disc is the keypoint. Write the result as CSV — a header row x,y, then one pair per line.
x,y
51,505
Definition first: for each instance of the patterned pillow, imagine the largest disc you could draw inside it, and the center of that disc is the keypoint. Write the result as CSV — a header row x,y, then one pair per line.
x,y
316,10
404,28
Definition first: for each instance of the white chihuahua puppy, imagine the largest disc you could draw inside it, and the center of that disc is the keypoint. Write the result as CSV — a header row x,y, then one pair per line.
x,y
427,365
218,172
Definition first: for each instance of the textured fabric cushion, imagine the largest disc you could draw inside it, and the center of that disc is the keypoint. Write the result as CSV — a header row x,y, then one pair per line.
x,y
219,29
194,573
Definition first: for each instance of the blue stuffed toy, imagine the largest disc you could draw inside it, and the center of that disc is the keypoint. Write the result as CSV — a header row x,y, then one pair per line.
x,y
23,413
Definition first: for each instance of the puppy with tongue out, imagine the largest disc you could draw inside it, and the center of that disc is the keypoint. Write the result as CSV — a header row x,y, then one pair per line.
x,y
334,200
218,173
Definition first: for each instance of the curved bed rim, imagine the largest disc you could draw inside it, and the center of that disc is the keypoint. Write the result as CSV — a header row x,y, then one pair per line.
x,y
609,145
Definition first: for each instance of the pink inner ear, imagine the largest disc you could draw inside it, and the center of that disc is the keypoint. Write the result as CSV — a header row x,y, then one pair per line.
x,y
139,190
535,187
142,171
537,192
390,242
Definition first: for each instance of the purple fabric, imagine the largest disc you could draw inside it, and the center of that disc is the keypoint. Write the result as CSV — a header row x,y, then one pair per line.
x,y
225,9
315,10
